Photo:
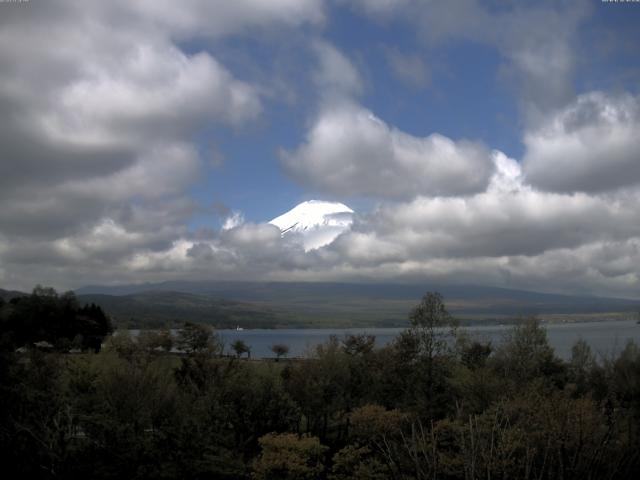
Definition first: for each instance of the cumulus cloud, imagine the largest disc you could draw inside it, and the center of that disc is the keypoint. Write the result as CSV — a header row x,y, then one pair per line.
x,y
102,111
501,224
98,154
232,221
455,211
515,237
510,234
100,105
349,151
591,145
247,251
113,102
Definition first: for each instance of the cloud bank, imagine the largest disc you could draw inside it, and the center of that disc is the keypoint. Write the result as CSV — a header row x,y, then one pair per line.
x,y
102,101
100,105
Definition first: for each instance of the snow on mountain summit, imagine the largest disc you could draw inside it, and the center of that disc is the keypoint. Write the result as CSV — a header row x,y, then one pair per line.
x,y
315,223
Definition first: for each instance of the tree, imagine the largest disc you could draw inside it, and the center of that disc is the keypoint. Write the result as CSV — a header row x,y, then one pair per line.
x,y
358,344
433,330
40,291
240,347
428,320
582,365
91,322
474,354
289,457
280,349
526,354
154,341
122,343
58,319
358,463
318,386
197,338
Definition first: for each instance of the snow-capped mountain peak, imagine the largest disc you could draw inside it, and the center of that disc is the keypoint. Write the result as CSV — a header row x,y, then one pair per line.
x,y
315,223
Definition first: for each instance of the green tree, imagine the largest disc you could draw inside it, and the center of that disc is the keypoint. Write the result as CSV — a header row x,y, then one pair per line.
x,y
358,463
280,349
197,338
431,323
358,344
122,343
240,347
319,386
433,330
57,319
155,341
526,355
581,365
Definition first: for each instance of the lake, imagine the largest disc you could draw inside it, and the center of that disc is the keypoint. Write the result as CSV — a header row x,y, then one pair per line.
x,y
604,337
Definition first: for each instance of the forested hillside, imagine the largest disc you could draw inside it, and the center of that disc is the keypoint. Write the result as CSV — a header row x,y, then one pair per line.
x,y
431,405
329,305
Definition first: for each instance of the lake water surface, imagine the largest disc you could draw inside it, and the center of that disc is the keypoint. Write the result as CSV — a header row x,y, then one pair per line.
x,y
605,337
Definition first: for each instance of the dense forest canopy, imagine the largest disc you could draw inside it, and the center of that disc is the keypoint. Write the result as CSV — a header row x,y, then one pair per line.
x,y
47,318
433,404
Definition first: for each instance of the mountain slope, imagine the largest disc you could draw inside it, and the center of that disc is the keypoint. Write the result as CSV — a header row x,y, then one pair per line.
x,y
7,295
151,309
343,304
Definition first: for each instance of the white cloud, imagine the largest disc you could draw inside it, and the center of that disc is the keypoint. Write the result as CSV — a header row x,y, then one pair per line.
x,y
335,75
152,87
349,151
591,145
515,237
502,223
507,176
234,220
101,102
104,110
97,154
217,18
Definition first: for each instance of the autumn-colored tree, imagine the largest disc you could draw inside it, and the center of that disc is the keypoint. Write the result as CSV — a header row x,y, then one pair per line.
x,y
289,457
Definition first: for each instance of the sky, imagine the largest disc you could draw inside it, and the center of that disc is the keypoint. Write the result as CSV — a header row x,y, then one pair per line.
x,y
479,142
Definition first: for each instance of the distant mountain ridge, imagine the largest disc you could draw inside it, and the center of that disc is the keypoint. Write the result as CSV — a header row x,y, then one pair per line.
x,y
161,308
255,290
340,304
327,305
9,294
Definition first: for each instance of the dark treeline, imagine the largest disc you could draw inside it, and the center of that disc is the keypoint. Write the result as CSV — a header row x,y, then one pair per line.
x,y
52,320
433,404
